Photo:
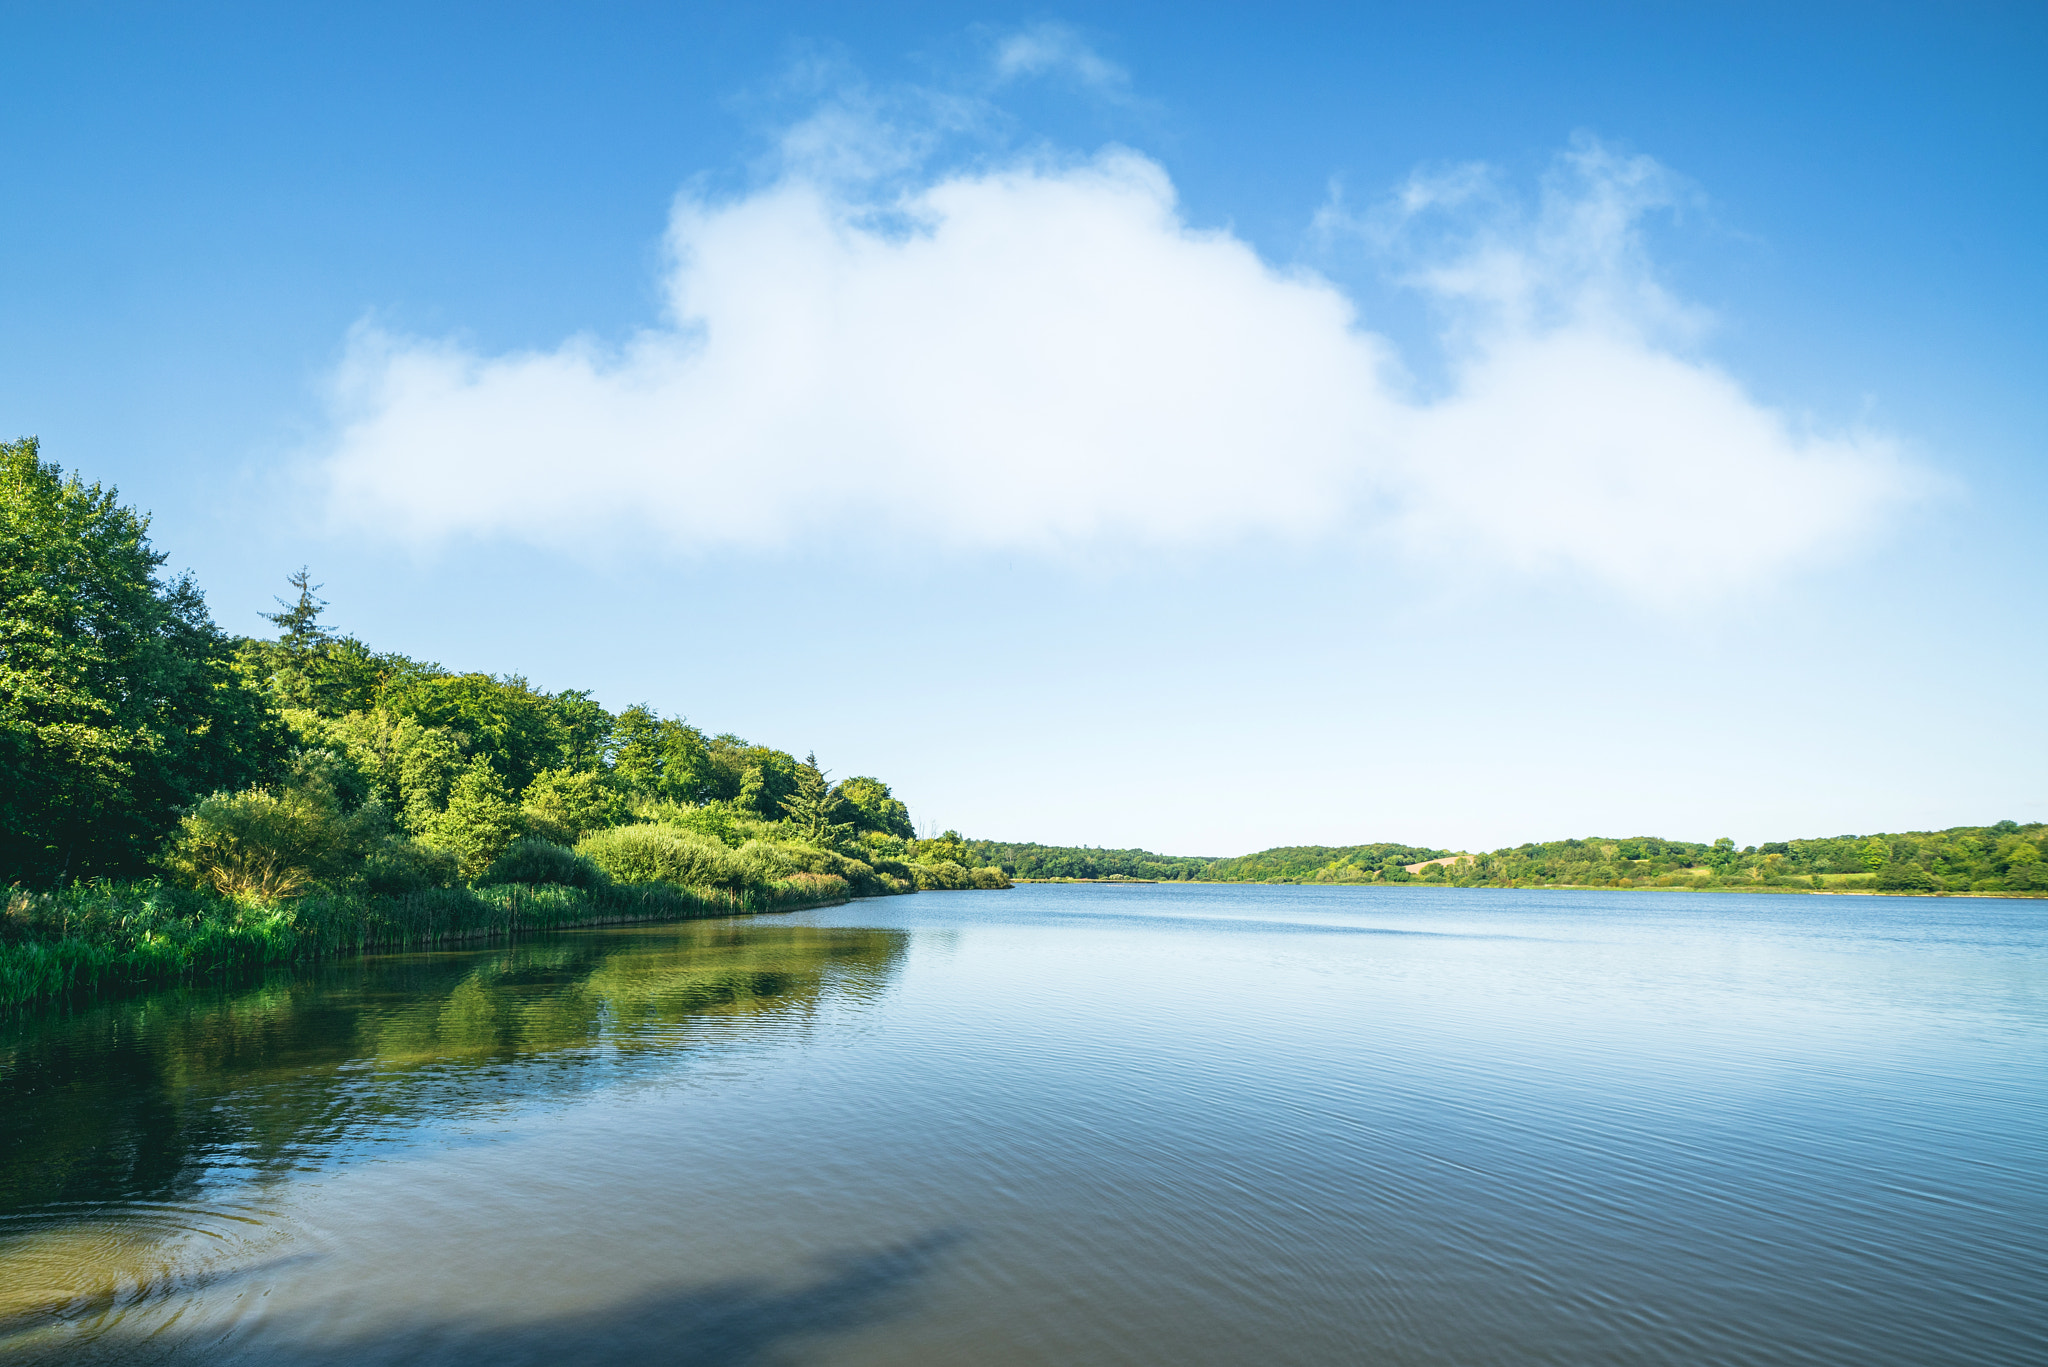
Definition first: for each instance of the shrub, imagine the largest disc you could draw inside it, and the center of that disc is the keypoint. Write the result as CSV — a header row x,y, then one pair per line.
x,y
777,859
944,876
1904,878
399,867
713,820
948,876
653,853
266,845
892,868
539,861
876,845
805,889
563,805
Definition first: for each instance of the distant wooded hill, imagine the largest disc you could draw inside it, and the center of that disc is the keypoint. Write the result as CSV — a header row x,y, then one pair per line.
x,y
2003,857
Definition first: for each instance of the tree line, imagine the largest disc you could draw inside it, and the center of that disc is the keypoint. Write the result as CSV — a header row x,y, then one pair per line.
x,y
2003,857
139,740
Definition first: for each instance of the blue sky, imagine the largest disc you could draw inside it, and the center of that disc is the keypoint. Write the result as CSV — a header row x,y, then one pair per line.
x,y
1187,426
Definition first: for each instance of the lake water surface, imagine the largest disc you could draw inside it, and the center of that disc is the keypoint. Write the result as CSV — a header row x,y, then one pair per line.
x,y
1067,1124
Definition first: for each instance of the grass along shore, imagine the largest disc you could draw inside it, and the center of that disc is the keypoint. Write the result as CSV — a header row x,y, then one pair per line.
x,y
101,939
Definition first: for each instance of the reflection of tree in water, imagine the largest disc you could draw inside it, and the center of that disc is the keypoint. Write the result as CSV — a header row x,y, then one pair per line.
x,y
138,1099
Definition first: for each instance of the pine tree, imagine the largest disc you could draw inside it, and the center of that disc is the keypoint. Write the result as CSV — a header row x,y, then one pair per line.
x,y
813,805
298,626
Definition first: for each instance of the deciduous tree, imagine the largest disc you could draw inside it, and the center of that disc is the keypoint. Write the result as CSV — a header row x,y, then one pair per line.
x,y
119,704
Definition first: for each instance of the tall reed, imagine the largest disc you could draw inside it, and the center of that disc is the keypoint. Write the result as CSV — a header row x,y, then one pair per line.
x,y
113,937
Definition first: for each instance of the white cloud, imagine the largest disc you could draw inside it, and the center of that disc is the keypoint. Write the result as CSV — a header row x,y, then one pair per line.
x,y
1042,49
1047,356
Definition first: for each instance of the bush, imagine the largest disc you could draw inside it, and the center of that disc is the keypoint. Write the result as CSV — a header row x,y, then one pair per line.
x,y
1904,878
777,859
562,805
807,889
876,846
948,876
400,867
539,861
944,876
718,821
265,845
894,869
663,854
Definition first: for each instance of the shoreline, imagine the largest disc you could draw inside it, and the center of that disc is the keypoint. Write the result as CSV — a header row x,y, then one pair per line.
x,y
1113,882
38,974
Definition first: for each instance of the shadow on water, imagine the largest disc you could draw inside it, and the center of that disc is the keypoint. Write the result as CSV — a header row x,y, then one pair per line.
x,y
724,1324
141,1100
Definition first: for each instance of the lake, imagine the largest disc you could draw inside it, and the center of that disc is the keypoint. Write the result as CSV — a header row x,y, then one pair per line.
x,y
1067,1124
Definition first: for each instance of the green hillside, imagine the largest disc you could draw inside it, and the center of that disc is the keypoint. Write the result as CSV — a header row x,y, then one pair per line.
x,y
2005,856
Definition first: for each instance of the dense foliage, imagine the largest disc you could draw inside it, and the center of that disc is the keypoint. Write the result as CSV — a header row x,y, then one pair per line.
x,y
267,777
119,703
2006,857
133,933
1059,861
1321,863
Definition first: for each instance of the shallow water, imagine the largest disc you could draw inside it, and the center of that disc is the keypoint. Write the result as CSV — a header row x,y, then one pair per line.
x,y
1145,1124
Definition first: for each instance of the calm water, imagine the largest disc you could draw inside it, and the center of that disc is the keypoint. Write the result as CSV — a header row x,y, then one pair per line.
x,y
1068,1125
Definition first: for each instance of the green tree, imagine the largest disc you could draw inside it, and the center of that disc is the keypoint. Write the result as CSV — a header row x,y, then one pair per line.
x,y
308,666
874,808
815,806
583,726
298,626
1876,853
1899,876
523,731
2019,860
950,847
119,703
660,757
341,676
564,804
480,820
409,765
757,778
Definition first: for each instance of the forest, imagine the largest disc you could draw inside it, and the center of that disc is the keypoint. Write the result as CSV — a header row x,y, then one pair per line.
x,y
172,794
2004,857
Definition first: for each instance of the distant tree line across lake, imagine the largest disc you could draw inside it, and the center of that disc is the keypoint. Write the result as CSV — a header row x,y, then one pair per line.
x,y
2004,857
